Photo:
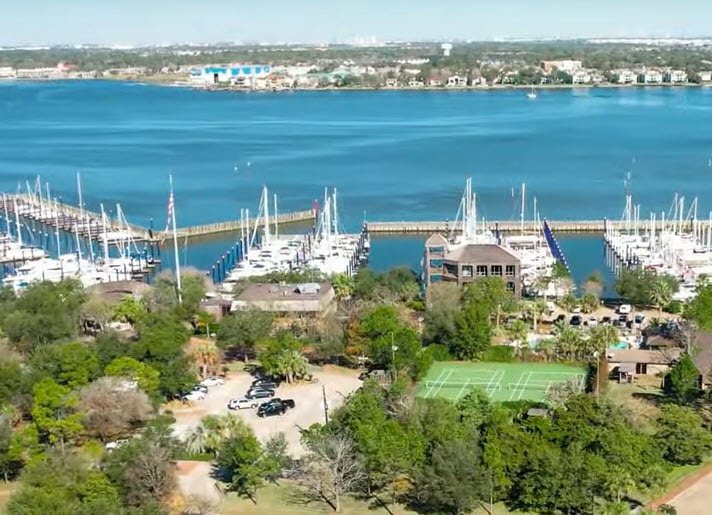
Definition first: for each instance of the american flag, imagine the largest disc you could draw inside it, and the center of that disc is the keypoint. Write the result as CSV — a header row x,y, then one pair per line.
x,y
170,212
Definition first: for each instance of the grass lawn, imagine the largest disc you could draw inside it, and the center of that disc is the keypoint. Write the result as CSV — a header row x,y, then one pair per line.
x,y
641,399
502,381
280,500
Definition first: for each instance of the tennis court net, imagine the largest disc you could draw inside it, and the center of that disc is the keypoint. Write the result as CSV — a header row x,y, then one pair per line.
x,y
487,385
530,386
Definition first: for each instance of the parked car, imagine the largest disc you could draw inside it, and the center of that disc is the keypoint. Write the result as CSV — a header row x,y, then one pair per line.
x,y
201,388
264,384
606,321
560,318
576,320
115,444
269,410
286,403
577,309
242,403
195,395
260,394
624,309
212,381
376,372
592,321
639,319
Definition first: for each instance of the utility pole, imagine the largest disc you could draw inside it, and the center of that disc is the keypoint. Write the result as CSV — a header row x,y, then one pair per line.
x,y
326,405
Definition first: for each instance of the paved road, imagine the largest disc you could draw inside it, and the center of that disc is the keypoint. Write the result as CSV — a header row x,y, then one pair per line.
x,y
697,499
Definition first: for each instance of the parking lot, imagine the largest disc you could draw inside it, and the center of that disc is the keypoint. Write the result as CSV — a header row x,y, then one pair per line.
x,y
337,383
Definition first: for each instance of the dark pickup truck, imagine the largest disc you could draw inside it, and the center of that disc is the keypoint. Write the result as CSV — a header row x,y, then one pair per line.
x,y
275,407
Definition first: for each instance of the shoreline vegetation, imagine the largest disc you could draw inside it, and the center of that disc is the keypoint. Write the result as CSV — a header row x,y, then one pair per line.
x,y
170,81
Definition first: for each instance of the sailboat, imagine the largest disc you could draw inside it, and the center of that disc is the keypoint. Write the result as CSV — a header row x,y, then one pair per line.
x,y
532,94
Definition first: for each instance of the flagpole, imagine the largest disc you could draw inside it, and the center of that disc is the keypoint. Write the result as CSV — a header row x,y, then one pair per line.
x,y
175,240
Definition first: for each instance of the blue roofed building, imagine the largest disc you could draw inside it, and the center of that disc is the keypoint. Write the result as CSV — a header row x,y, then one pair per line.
x,y
245,74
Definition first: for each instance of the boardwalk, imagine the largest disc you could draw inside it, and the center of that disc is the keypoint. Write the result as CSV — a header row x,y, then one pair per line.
x,y
579,226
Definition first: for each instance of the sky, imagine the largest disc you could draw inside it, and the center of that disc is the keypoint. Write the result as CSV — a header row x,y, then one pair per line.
x,y
147,22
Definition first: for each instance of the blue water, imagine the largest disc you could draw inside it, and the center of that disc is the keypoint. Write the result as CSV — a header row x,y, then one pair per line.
x,y
394,155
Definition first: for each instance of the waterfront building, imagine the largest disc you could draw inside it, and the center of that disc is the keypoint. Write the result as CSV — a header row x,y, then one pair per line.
x,y
566,65
626,76
415,83
705,76
675,76
456,81
651,76
465,263
580,77
7,72
242,75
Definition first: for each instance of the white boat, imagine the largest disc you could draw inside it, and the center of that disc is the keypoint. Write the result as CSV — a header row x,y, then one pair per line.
x,y
532,94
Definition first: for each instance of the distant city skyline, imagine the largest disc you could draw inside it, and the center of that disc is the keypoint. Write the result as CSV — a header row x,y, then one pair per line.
x,y
156,22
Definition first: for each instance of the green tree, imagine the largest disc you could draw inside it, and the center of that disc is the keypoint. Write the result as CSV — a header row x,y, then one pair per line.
x,y
682,382
213,431
454,481
147,377
517,331
244,464
11,459
45,313
281,357
682,436
10,377
534,310
54,412
443,304
129,310
490,293
661,294
243,329
64,484
699,309
71,364
344,286
473,332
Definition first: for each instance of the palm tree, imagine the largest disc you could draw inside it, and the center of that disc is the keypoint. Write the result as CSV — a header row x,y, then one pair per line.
x,y
213,431
568,341
291,364
545,347
517,332
661,294
533,310
344,286
207,357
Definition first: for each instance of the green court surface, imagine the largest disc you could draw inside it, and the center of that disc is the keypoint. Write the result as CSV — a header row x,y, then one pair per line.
x,y
502,381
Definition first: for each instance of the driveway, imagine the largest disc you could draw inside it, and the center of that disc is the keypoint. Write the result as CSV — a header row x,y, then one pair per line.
x,y
337,383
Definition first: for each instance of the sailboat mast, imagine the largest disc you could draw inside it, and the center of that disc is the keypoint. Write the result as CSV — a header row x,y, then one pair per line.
x,y
175,240
524,186
265,202
81,200
276,221
106,235
17,221
56,232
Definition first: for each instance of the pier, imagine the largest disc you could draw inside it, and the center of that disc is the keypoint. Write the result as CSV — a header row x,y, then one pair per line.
x,y
572,226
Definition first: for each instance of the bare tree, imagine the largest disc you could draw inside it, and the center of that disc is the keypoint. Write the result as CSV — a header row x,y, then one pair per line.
x,y
113,406
150,475
331,469
558,393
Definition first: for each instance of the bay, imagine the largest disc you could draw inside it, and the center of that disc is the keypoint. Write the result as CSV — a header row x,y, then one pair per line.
x,y
395,155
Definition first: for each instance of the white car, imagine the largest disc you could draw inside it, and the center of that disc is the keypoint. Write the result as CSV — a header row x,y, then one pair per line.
x,y
195,395
115,444
212,381
243,403
592,321
624,309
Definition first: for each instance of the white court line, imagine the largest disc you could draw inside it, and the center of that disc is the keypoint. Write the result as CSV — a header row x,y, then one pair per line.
x,y
461,390
443,382
491,388
435,383
514,391
524,386
554,374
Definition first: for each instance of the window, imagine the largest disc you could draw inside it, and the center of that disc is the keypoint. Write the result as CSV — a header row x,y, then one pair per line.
x,y
436,263
497,270
436,278
481,270
467,271
437,250
509,270
510,286
451,269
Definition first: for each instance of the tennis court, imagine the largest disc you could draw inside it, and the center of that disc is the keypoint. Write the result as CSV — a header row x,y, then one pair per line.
x,y
502,381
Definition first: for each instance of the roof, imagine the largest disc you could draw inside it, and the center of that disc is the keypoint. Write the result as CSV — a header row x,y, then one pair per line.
x,y
703,356
650,356
436,239
482,253
305,297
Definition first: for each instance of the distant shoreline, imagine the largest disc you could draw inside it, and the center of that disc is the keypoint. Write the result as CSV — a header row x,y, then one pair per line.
x,y
169,81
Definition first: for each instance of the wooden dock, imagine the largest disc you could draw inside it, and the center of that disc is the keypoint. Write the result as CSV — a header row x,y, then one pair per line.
x,y
233,226
571,226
